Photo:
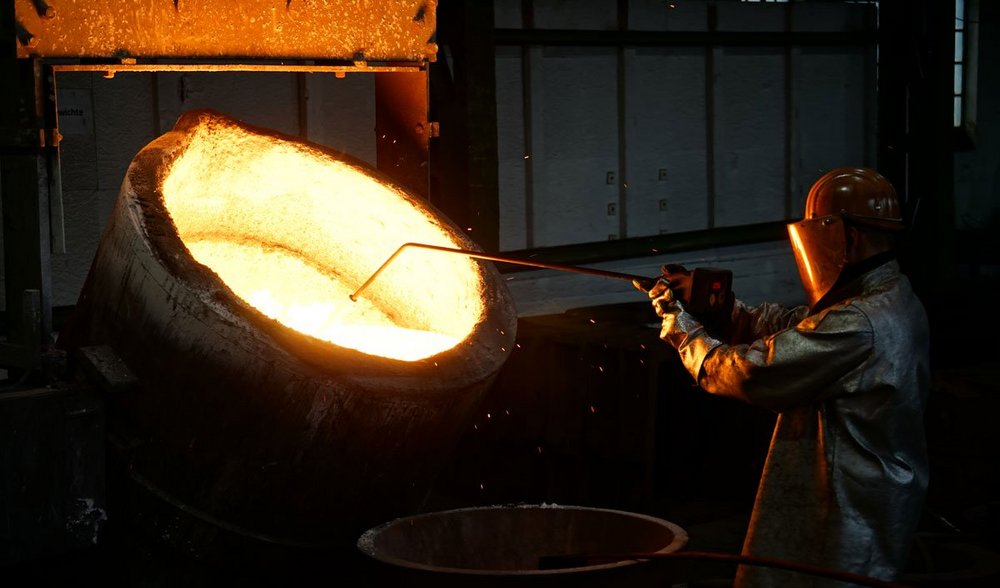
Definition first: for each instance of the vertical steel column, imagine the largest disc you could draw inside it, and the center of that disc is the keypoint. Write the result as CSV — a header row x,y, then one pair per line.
x,y
528,22
713,25
25,138
621,84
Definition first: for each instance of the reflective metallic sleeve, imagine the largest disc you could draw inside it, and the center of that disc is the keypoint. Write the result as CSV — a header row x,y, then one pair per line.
x,y
811,361
752,323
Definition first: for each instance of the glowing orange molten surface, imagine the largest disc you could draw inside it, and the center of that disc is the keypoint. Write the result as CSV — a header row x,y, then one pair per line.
x,y
294,232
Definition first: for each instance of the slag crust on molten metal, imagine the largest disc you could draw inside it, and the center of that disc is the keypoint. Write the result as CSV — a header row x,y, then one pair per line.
x,y
292,231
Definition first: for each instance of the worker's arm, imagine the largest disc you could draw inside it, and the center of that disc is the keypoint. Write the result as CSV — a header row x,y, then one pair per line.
x,y
804,363
751,323
808,362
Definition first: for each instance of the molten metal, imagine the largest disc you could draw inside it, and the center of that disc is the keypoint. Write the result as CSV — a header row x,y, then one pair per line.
x,y
293,233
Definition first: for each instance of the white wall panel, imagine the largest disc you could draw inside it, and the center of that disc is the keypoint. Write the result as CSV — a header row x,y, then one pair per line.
x,y
575,143
829,126
749,136
665,130
662,15
573,14
511,162
750,16
507,14
830,16
94,156
268,100
341,113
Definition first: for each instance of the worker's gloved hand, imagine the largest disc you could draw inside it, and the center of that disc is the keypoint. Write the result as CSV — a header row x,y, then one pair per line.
x,y
680,328
679,279
677,322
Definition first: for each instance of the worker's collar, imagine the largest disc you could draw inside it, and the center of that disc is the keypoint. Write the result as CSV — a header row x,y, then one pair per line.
x,y
851,282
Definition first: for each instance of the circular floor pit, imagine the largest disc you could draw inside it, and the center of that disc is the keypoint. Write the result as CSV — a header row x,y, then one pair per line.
x,y
504,546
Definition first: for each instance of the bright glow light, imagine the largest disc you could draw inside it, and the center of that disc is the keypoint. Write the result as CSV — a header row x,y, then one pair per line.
x,y
293,232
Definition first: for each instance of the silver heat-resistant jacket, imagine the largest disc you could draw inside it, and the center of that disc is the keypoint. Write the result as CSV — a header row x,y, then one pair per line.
x,y
846,473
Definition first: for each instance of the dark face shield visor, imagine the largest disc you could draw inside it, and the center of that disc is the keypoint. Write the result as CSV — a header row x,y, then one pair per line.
x,y
819,245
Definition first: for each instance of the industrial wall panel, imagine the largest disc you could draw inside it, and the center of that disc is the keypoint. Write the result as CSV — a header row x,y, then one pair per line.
x,y
832,16
573,14
665,141
507,14
574,109
341,113
104,122
511,156
75,104
84,224
267,100
660,15
749,96
751,16
830,126
124,121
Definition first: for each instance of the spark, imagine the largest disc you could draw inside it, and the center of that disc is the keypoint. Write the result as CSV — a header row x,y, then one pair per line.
x,y
592,409
476,427
506,412
539,449
482,486
592,321
527,157
600,369
518,345
489,416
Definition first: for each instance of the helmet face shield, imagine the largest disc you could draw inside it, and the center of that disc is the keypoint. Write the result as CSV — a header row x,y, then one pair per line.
x,y
819,245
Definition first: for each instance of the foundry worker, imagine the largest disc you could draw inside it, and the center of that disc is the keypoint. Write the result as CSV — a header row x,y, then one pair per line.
x,y
846,473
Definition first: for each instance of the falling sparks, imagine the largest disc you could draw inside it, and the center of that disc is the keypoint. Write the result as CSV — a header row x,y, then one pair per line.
x,y
527,157
592,321
600,369
518,345
506,412
482,486
489,416
593,410
539,449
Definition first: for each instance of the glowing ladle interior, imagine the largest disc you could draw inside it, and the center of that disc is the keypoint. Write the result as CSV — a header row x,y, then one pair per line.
x,y
293,232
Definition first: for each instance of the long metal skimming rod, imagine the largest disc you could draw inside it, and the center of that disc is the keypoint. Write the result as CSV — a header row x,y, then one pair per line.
x,y
643,281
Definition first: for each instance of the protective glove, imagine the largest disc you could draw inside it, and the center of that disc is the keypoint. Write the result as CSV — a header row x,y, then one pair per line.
x,y
679,279
681,329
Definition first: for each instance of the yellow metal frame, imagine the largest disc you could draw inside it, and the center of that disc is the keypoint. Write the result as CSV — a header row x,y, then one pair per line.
x,y
345,30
